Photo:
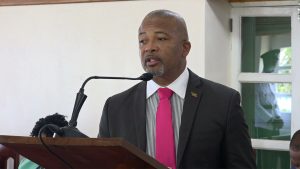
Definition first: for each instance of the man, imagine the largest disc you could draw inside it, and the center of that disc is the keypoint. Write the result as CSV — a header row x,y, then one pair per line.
x,y
295,150
208,126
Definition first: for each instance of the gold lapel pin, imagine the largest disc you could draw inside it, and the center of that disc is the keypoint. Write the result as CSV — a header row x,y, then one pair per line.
x,y
194,94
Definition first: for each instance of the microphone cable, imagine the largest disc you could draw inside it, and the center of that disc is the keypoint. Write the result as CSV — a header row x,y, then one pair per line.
x,y
56,130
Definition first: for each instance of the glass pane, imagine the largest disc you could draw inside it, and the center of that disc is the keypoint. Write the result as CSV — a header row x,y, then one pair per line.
x,y
266,44
268,109
266,159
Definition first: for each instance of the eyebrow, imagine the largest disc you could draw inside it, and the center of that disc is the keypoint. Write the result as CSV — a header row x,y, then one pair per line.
x,y
157,32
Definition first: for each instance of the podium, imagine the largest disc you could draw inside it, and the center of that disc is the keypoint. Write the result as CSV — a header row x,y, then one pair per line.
x,y
81,153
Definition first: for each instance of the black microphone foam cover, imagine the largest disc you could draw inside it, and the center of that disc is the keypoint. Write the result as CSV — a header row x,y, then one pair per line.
x,y
146,76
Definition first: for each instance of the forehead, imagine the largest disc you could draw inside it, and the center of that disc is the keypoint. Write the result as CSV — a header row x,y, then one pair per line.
x,y
295,156
158,24
295,153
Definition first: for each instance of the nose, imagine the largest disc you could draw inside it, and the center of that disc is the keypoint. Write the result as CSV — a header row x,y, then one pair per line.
x,y
151,47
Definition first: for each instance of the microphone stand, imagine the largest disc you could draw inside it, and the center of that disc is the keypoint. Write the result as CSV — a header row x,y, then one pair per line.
x,y
71,130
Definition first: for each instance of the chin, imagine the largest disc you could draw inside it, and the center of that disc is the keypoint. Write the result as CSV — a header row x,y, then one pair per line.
x,y
155,72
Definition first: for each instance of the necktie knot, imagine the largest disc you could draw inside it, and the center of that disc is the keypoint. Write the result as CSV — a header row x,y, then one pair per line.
x,y
164,93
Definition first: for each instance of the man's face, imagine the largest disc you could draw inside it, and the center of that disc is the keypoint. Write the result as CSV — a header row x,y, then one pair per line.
x,y
295,159
163,50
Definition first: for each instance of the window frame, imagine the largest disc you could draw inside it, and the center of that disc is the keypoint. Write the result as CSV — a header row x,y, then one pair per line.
x,y
237,77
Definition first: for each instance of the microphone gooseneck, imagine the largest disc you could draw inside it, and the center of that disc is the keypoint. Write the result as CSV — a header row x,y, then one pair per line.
x,y
144,77
81,97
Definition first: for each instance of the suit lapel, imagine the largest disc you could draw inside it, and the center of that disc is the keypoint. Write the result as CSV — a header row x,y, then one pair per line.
x,y
139,108
192,98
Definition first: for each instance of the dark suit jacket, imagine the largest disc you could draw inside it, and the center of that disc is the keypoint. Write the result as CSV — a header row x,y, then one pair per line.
x,y
213,132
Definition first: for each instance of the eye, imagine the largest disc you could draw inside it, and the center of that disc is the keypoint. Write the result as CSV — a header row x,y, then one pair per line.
x,y
162,38
142,41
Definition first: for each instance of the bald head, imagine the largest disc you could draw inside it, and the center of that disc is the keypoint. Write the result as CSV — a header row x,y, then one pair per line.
x,y
295,141
174,18
164,45
295,150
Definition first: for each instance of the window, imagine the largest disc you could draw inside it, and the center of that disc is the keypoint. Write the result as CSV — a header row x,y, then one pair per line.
x,y
264,50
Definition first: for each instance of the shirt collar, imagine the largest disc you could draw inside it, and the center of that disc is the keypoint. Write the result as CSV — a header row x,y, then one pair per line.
x,y
178,86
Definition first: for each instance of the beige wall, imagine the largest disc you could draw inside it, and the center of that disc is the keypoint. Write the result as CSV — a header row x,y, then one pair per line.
x,y
47,51
217,41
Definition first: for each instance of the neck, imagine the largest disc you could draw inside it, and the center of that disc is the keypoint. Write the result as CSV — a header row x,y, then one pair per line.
x,y
167,79
163,81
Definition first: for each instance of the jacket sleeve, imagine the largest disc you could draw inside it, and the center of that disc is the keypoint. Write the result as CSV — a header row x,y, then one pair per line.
x,y
103,126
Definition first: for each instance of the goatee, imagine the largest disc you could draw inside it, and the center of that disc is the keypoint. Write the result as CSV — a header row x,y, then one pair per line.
x,y
158,72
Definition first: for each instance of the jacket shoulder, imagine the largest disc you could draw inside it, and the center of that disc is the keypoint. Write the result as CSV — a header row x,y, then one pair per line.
x,y
140,87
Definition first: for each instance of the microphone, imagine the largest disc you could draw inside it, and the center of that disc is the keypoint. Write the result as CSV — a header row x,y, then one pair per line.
x,y
71,130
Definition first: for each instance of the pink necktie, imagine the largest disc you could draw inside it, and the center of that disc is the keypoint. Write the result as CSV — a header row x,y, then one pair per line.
x,y
165,146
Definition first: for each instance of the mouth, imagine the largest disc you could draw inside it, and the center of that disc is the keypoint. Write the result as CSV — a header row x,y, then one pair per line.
x,y
152,61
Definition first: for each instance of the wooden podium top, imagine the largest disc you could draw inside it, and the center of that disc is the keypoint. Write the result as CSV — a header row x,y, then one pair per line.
x,y
81,153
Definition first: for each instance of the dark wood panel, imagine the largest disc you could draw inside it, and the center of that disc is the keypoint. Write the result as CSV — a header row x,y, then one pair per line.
x,y
251,0
40,2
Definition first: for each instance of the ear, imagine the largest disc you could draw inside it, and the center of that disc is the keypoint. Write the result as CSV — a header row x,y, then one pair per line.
x,y
186,48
